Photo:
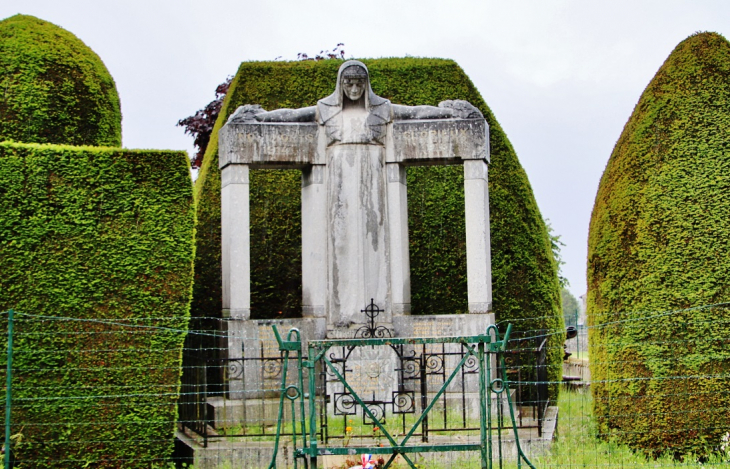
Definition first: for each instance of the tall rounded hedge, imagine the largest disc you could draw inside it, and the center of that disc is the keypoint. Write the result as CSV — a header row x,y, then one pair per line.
x,y
659,242
524,274
96,255
54,88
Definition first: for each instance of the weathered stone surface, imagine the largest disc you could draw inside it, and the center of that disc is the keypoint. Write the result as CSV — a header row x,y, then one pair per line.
x,y
440,141
442,325
358,251
235,242
478,255
267,145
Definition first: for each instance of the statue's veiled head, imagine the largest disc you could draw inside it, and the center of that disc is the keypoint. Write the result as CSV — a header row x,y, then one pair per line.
x,y
353,84
354,81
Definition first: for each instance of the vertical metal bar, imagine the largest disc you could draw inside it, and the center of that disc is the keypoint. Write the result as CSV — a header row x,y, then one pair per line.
x,y
9,388
424,395
482,406
263,385
312,409
324,419
443,379
463,390
499,407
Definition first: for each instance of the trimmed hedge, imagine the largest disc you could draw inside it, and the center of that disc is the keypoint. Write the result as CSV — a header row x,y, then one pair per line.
x,y
659,241
91,234
55,89
524,275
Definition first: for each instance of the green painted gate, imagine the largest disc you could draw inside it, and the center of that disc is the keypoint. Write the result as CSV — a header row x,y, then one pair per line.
x,y
487,350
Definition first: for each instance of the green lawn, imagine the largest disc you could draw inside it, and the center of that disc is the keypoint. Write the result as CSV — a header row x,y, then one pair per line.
x,y
577,446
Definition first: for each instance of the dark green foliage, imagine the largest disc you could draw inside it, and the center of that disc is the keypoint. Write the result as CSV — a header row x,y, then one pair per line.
x,y
96,234
54,88
659,241
437,239
524,273
277,228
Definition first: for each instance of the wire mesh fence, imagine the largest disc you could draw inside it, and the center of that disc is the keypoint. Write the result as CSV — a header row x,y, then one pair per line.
x,y
653,392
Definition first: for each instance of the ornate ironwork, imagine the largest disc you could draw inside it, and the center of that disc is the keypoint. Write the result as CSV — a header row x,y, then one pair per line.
x,y
272,368
370,330
235,369
344,404
377,408
404,402
471,366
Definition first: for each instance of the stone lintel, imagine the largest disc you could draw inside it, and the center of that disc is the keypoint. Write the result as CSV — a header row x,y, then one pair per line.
x,y
429,141
442,325
267,145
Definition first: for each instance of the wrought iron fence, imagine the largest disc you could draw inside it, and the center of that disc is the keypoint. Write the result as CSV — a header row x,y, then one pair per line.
x,y
418,371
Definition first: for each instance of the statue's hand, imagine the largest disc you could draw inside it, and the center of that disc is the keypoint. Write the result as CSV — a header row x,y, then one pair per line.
x,y
462,109
246,114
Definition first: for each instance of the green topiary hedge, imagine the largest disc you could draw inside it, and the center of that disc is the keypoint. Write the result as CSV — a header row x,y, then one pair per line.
x,y
523,272
90,235
659,240
55,89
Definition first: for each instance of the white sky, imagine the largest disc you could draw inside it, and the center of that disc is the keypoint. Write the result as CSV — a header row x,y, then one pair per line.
x,y
561,76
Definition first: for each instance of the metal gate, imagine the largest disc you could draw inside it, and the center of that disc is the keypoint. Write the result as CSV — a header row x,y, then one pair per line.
x,y
481,355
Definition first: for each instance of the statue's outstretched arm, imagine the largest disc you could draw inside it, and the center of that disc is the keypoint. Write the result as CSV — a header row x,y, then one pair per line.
x,y
455,109
401,112
305,114
251,113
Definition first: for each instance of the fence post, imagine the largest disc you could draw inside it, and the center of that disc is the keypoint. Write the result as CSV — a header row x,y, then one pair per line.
x,y
8,389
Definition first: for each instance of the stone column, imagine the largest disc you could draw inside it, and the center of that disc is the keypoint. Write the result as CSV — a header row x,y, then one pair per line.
x,y
236,262
400,270
314,242
478,257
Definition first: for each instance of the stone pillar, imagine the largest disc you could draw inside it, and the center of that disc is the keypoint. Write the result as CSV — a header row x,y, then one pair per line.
x,y
314,242
478,258
236,263
400,270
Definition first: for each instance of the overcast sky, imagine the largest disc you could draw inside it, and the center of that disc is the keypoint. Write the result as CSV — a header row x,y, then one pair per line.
x,y
562,77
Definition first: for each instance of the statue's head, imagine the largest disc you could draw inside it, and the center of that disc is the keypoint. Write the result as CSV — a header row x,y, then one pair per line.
x,y
354,81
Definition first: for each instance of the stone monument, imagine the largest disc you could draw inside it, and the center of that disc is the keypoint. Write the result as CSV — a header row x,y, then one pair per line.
x,y
353,148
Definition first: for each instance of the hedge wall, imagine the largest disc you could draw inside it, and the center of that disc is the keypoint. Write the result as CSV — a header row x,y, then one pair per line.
x,y
55,89
659,241
90,235
523,272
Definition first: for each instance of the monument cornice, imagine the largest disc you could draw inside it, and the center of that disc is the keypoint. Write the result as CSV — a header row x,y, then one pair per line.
x,y
268,145
414,142
437,141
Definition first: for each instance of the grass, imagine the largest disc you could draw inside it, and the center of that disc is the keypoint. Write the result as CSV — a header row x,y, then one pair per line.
x,y
578,447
